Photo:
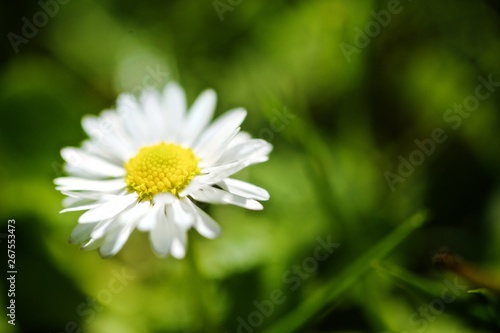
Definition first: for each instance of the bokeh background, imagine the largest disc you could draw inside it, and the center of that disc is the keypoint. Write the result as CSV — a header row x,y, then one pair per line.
x,y
349,109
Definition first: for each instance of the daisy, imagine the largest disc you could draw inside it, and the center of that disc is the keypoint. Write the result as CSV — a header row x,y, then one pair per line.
x,y
147,165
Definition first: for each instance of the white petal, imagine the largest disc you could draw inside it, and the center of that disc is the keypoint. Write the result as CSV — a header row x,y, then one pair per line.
x,y
101,128
240,138
81,233
92,244
111,147
244,189
181,217
75,171
205,225
152,108
243,202
162,235
91,163
138,212
214,195
74,197
149,220
224,125
92,127
106,136
194,185
97,127
109,209
252,151
115,241
205,195
174,104
109,135
133,119
198,118
102,228
80,184
179,245
74,201
214,148
214,175
78,208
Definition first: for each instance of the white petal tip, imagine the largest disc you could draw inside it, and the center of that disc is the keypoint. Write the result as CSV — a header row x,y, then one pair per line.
x,y
241,112
106,255
159,254
254,205
178,248
210,232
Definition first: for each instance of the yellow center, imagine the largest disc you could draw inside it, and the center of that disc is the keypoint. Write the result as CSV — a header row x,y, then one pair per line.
x,y
165,167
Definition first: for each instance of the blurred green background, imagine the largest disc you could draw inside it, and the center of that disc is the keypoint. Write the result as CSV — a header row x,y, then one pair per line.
x,y
352,87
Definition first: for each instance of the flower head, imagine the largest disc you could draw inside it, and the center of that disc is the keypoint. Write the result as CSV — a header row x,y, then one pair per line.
x,y
148,163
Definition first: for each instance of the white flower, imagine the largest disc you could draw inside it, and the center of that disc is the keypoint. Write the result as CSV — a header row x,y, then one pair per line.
x,y
147,164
